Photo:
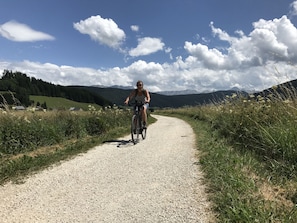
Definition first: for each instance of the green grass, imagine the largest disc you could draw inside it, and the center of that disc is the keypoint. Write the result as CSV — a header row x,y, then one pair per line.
x,y
31,141
248,153
60,103
16,168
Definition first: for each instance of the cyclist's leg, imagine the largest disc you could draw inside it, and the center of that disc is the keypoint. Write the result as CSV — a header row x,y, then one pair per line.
x,y
133,124
144,113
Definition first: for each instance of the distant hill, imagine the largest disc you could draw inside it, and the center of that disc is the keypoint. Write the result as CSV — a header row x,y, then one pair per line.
x,y
118,96
178,92
16,88
284,90
18,85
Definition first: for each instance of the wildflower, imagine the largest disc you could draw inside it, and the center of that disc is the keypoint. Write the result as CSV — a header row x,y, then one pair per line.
x,y
259,97
234,95
27,120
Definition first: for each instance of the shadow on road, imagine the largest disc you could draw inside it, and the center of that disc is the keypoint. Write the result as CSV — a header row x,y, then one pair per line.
x,y
120,143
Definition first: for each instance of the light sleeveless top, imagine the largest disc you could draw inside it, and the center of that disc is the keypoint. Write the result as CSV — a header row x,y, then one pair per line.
x,y
140,98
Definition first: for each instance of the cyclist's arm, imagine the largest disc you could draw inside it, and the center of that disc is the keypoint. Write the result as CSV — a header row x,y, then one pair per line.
x,y
132,94
148,97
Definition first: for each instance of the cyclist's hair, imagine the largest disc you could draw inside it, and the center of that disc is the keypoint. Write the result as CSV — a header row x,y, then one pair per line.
x,y
143,90
139,82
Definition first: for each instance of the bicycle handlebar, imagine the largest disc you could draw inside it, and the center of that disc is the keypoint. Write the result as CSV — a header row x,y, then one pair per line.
x,y
135,103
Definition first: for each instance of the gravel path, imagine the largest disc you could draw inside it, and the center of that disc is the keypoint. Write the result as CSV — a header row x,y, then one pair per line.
x,y
155,180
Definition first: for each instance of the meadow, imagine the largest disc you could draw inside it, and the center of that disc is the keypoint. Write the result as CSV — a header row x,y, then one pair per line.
x,y
32,140
248,151
61,103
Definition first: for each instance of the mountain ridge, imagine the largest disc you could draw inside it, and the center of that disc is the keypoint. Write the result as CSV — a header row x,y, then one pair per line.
x,y
117,96
18,85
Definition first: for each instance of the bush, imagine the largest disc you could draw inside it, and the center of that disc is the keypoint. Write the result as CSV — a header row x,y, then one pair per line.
x,y
95,125
25,131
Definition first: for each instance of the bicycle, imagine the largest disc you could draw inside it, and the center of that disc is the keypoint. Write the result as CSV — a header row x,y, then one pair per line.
x,y
137,127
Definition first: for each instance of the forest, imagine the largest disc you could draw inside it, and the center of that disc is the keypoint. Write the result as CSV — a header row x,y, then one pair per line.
x,y
16,87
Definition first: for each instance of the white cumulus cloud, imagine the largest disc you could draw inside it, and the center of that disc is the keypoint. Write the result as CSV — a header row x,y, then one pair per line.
x,y
104,31
146,46
270,41
135,28
19,32
293,7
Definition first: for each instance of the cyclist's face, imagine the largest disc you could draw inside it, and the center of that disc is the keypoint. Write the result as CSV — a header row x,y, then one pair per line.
x,y
139,85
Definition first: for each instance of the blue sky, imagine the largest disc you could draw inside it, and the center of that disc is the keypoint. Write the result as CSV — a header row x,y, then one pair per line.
x,y
172,45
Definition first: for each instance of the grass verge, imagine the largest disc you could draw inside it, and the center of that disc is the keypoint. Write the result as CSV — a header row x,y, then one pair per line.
x,y
237,185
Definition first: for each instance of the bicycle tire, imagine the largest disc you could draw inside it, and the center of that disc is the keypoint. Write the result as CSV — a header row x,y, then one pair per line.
x,y
134,129
143,133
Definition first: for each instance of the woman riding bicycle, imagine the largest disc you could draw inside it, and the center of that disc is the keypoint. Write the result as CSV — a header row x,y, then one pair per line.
x,y
140,95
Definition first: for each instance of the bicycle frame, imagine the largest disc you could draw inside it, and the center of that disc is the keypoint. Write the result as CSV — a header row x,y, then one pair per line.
x,y
136,124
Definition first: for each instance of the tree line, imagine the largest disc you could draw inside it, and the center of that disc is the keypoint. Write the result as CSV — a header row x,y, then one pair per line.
x,y
16,87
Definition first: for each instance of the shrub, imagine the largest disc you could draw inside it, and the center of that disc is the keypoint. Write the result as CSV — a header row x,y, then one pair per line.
x,y
21,132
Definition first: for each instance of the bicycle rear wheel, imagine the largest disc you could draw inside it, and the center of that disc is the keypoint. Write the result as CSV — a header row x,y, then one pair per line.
x,y
134,129
143,132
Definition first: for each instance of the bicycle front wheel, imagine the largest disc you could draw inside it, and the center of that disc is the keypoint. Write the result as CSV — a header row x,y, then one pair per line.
x,y
134,129
143,133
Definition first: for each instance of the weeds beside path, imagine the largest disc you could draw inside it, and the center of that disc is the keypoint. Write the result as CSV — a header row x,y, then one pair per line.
x,y
30,141
240,185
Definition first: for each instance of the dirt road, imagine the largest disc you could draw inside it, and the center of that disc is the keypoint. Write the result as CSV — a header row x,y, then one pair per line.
x,y
156,180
